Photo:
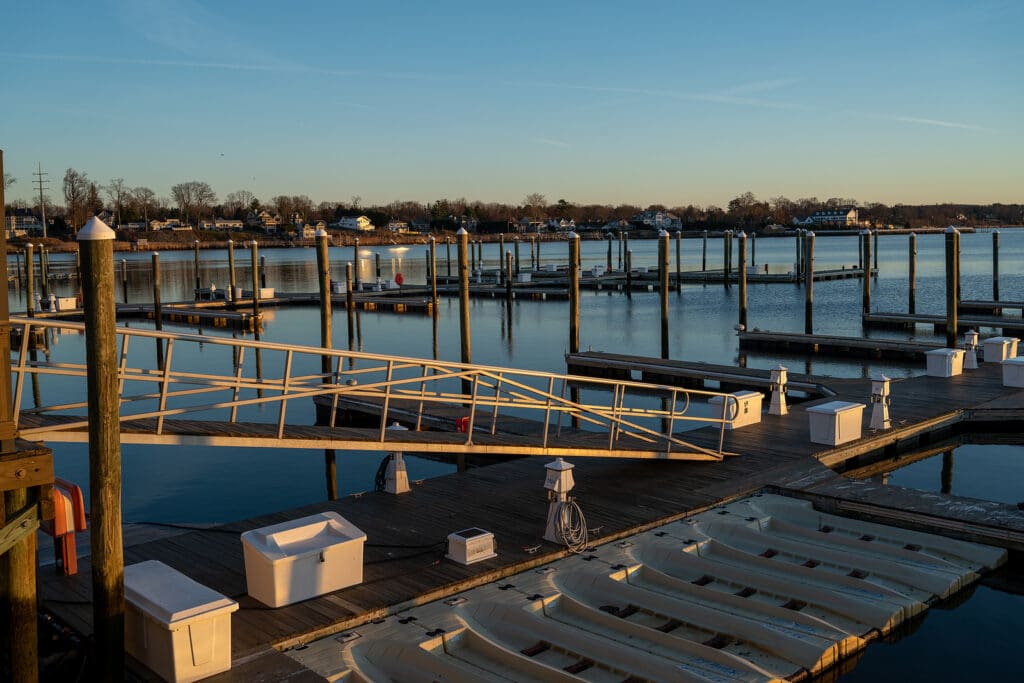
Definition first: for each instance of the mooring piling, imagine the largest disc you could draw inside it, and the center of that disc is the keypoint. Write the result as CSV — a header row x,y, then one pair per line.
x,y
158,320
433,276
952,282
30,273
254,248
350,307
995,265
865,236
679,260
465,352
263,271
809,283
376,265
741,276
124,281
231,270
195,267
608,262
912,273
323,268
448,252
663,266
355,263
515,241
704,252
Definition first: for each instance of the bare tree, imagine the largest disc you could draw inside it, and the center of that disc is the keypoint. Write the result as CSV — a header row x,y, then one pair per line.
x,y
237,202
535,205
9,180
76,197
194,198
119,194
145,200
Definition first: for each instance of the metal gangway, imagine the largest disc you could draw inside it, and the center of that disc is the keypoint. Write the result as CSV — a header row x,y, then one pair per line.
x,y
196,389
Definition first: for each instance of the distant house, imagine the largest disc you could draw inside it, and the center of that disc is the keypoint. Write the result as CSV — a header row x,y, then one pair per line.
x,y
269,222
221,224
22,222
357,223
561,225
841,216
398,226
421,226
138,225
107,217
616,226
168,224
659,220
530,225
308,232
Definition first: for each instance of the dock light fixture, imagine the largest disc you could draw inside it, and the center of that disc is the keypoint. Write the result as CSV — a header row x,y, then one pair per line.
x,y
880,400
971,350
778,389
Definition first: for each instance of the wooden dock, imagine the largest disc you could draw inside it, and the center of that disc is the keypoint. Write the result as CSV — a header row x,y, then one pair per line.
x,y
828,345
908,321
404,565
990,307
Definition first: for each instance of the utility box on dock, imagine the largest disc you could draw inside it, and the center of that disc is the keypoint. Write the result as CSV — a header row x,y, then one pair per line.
x,y
836,422
998,349
1013,372
944,362
744,410
178,628
301,559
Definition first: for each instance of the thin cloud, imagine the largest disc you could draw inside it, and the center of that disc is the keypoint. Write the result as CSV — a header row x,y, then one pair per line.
x,y
551,143
758,86
937,122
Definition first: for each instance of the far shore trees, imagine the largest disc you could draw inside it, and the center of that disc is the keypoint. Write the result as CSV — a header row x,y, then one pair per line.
x,y
194,199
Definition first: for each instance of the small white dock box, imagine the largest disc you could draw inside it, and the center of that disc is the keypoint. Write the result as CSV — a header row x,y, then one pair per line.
x,y
836,422
524,277
301,559
178,628
944,362
998,349
470,545
745,410
1013,372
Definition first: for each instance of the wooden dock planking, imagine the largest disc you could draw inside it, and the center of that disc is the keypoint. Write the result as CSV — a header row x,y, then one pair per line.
x,y
620,497
938,322
828,345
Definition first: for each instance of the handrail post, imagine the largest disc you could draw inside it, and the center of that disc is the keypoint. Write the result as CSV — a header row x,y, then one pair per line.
x,y
472,411
671,421
238,379
165,380
497,398
423,392
22,367
547,410
387,400
337,394
284,393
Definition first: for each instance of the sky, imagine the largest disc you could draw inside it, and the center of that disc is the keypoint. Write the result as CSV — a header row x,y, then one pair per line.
x,y
672,102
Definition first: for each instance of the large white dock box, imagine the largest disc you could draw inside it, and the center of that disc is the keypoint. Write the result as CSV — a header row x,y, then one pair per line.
x,y
1013,372
301,559
178,628
835,422
998,349
744,410
944,362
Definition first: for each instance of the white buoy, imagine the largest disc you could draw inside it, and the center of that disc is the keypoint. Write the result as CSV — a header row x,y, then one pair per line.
x,y
880,400
778,388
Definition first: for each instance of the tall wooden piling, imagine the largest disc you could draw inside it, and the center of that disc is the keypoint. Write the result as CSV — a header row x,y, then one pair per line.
x,y
44,274
158,318
912,273
875,251
376,265
263,271
622,262
195,260
96,242
124,281
628,266
17,267
798,258
809,283
663,266
753,249
350,307
355,263
231,270
323,269
995,265
574,311
471,246
30,273
608,262
726,257
448,253
433,276
860,250
865,240
538,254
952,278
625,246
679,260
741,276
501,254
534,266
704,252
254,247
508,280
515,247
465,351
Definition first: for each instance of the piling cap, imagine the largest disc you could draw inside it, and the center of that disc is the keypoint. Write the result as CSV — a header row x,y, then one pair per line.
x,y
95,229
572,235
320,232
879,377
950,228
559,465
462,231
865,231
810,233
742,235
663,233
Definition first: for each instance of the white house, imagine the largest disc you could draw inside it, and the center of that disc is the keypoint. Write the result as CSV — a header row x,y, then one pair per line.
x,y
357,223
843,216
659,220
398,226
561,224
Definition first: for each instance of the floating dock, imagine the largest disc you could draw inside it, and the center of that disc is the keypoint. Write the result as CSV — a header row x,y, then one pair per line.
x,y
829,345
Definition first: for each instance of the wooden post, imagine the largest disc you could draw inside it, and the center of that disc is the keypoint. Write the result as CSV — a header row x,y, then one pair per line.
x,y
704,253
946,475
433,275
30,273
875,239
44,275
533,253
753,249
622,262
323,268
741,276
263,271
448,252
508,280
255,284
912,268
231,270
465,352
471,254
195,248
860,250
628,266
574,292
538,254
809,283
995,265
865,241
17,266
679,260
78,266
350,306
124,280
355,262
663,266
625,245
608,263
96,243
952,277
726,257
799,244
376,264
515,240
157,310
501,254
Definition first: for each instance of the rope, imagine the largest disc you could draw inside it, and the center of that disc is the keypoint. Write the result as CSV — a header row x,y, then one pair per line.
x,y
572,526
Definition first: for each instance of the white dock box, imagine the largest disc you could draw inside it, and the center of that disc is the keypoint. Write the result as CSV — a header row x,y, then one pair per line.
x,y
745,410
301,559
998,349
836,422
178,628
944,362
1013,372
470,545
524,277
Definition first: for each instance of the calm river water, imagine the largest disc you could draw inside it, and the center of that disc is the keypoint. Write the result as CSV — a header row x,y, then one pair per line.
x,y
201,484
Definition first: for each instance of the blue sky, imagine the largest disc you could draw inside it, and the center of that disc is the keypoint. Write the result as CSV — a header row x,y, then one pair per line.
x,y
668,102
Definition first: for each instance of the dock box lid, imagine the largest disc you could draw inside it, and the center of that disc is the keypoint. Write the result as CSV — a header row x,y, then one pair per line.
x,y
168,596
944,352
303,536
834,407
1014,361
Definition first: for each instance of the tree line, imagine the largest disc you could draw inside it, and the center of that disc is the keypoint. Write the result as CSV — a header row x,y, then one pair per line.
x,y
194,200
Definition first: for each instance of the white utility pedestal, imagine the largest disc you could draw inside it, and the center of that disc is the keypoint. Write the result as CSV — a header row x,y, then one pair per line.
x,y
301,559
744,408
835,422
178,628
970,350
1001,349
396,478
944,362
558,482
880,400
1013,372
778,387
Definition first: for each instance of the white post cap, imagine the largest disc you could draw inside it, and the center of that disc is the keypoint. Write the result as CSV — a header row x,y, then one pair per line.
x,y
320,232
663,233
865,231
95,229
559,465
572,235
742,235
810,233
462,231
950,228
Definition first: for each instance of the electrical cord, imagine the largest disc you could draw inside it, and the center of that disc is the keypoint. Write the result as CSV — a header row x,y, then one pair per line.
x,y
571,526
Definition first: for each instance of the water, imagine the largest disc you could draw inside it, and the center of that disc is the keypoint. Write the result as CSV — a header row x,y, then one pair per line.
x,y
172,484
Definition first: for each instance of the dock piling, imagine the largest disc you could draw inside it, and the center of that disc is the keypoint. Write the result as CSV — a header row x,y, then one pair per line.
x,y
741,275
96,243
629,273
433,275
995,265
44,272
30,273
875,239
355,263
263,271
323,268
124,281
158,321
952,282
448,252
809,283
574,310
865,236
515,241
679,260
912,272
508,281
608,262
465,351
255,287
622,262
704,253
376,265
350,307
663,266
231,270
195,260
